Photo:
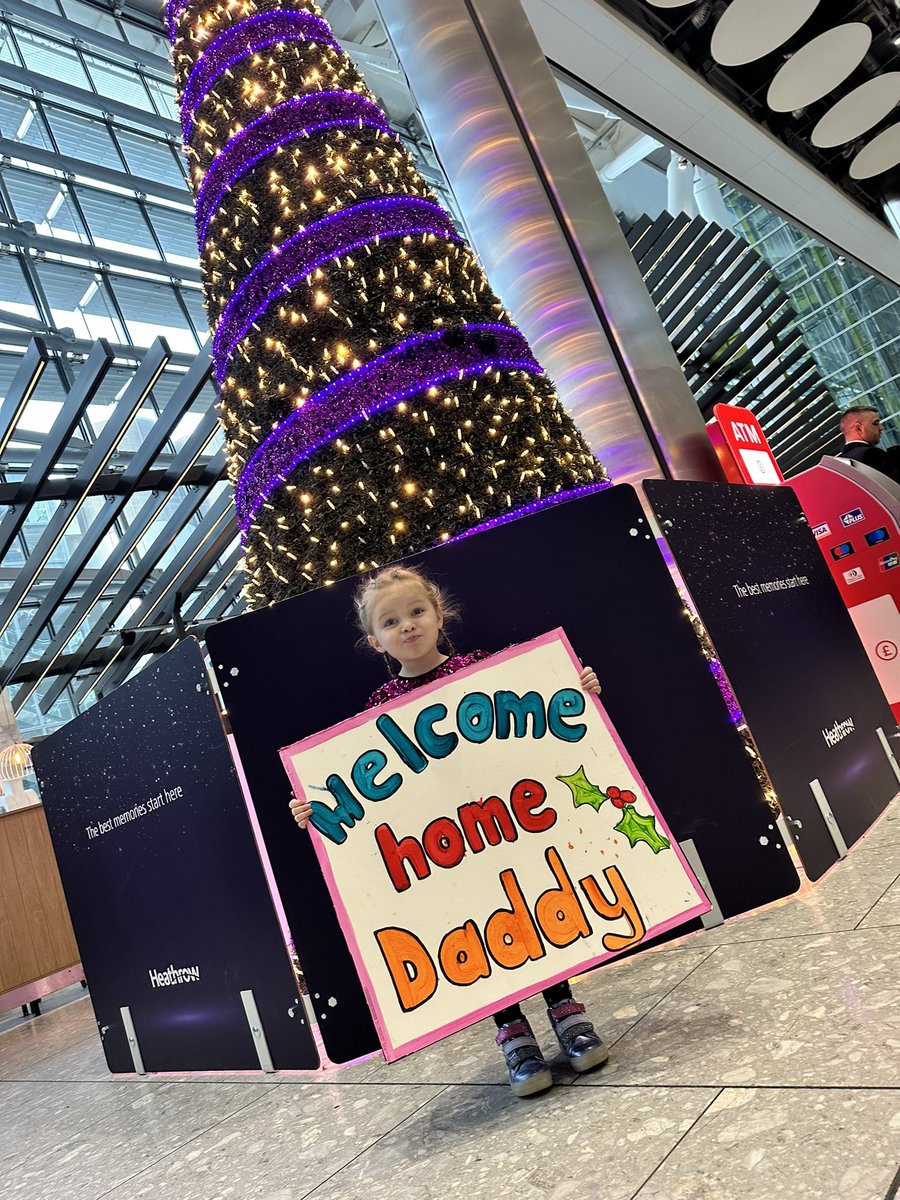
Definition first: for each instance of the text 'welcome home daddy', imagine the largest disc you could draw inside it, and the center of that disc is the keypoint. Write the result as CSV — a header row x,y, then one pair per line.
x,y
510,936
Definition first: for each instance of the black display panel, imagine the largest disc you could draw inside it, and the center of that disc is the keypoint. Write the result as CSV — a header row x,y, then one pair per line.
x,y
164,883
590,566
792,654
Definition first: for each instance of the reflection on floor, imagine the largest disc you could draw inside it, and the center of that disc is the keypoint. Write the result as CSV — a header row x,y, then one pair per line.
x,y
757,1060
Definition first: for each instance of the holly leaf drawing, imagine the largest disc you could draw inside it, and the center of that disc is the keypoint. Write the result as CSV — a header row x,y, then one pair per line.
x,y
638,828
583,791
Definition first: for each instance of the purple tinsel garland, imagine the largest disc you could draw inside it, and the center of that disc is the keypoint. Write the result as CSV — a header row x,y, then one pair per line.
x,y
419,362
532,507
293,119
241,39
173,12
334,235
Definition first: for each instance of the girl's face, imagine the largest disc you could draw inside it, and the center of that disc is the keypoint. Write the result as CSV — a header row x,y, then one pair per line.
x,y
406,625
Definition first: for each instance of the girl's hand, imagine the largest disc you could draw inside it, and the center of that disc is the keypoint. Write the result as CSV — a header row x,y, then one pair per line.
x,y
589,680
301,811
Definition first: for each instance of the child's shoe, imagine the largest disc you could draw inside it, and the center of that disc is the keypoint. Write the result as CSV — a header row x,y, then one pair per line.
x,y
580,1043
528,1073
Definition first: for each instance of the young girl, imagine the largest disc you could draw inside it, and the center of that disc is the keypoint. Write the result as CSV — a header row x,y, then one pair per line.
x,y
402,614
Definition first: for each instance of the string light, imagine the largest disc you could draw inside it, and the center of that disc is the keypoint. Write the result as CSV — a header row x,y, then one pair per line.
x,y
375,396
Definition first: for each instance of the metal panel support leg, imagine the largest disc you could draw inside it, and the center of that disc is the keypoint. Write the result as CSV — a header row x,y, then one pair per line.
x,y
714,916
256,1029
133,1044
886,747
829,818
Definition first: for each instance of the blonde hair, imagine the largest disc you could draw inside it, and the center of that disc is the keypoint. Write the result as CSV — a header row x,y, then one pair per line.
x,y
369,590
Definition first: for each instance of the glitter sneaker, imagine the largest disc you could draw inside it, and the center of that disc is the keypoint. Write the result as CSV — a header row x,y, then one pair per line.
x,y
528,1073
580,1043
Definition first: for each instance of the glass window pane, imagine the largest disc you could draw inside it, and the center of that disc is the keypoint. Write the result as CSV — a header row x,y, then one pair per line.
x,y
144,301
176,232
80,137
91,17
98,312
152,159
20,121
33,723
51,59
63,285
8,51
150,310
44,201
78,302
15,294
193,299
116,221
146,39
163,97
119,83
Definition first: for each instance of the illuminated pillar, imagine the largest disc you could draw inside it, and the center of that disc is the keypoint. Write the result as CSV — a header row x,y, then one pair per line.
x,y
545,229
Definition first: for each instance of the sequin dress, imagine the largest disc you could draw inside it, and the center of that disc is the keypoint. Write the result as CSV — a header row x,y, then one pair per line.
x,y
400,685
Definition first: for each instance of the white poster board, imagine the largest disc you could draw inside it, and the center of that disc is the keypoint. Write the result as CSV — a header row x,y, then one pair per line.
x,y
485,837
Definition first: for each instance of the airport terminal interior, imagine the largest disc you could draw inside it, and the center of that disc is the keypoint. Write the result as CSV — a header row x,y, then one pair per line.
x,y
561,303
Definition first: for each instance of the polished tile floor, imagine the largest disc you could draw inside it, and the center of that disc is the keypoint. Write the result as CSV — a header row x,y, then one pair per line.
x,y
755,1061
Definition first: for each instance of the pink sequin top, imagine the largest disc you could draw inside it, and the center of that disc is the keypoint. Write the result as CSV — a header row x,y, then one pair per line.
x,y
399,685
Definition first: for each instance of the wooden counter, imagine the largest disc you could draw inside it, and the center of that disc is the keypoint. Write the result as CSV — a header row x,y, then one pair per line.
x,y
36,938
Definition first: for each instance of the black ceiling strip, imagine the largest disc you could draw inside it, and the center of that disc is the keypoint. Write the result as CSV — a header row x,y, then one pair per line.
x,y
683,261
112,484
705,283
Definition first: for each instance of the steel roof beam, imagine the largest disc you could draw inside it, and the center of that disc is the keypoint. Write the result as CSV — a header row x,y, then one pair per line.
x,y
66,345
25,381
82,169
137,578
203,475
133,399
192,563
15,234
70,414
87,101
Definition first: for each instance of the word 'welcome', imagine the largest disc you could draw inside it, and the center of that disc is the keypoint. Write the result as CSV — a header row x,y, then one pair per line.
x,y
479,717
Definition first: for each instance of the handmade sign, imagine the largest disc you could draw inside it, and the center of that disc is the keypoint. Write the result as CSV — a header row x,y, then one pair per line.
x,y
485,837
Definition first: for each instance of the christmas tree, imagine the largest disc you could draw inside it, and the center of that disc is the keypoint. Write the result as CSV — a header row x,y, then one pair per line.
x,y
376,397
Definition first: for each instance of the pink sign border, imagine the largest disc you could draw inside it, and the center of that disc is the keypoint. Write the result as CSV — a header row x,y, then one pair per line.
x,y
390,1051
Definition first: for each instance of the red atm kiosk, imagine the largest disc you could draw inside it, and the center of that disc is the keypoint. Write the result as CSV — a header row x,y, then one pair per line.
x,y
741,447
854,514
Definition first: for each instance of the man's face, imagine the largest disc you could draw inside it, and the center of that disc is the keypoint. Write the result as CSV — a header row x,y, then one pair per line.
x,y
870,428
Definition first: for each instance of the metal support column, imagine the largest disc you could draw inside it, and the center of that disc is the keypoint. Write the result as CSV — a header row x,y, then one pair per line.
x,y
549,239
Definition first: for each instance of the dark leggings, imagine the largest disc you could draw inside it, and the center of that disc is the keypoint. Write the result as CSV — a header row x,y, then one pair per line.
x,y
553,995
